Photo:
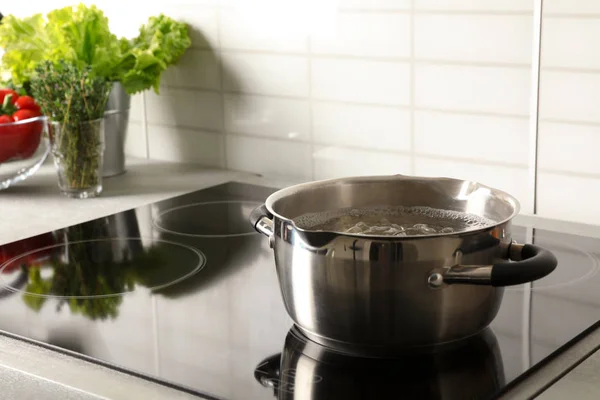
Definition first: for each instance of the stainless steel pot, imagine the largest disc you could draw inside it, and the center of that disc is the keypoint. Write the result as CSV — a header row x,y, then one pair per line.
x,y
306,371
374,294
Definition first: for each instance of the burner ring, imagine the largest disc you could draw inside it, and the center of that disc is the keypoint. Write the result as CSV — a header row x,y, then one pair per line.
x,y
240,218
200,260
593,266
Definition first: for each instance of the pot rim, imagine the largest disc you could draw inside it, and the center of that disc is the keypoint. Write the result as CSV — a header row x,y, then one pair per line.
x,y
282,193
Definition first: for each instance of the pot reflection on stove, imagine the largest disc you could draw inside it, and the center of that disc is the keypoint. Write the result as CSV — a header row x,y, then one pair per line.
x,y
471,369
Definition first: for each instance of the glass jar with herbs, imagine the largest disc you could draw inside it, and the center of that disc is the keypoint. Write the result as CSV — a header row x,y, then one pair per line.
x,y
74,99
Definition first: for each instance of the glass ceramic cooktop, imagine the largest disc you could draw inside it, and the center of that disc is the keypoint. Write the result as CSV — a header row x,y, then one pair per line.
x,y
185,292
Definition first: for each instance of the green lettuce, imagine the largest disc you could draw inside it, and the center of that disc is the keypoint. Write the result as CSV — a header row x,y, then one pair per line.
x,y
160,43
81,36
24,44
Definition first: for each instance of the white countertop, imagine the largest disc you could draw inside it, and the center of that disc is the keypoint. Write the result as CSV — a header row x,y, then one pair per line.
x,y
36,206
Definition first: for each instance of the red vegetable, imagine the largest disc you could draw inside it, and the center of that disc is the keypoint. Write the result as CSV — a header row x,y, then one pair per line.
x,y
6,119
27,103
21,115
6,92
18,140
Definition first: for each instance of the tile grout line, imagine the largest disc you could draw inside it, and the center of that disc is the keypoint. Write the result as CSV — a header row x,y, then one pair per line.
x,y
311,140
411,110
349,10
567,15
535,105
429,156
572,70
379,58
570,122
353,103
574,174
222,89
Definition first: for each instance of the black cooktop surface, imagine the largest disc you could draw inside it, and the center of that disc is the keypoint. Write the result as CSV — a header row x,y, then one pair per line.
x,y
185,291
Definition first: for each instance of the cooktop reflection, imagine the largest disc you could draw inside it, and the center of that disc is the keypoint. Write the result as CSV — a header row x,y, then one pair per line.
x,y
184,292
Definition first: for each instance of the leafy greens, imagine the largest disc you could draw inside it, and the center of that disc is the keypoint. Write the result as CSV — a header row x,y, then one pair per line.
x,y
81,36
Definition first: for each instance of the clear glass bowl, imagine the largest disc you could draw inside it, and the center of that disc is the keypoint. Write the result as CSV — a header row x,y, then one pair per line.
x,y
24,146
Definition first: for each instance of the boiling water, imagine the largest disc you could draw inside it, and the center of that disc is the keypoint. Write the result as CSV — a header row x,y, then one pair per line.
x,y
392,221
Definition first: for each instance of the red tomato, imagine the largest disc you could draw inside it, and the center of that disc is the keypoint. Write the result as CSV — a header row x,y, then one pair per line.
x,y
11,136
30,138
27,103
18,140
6,119
21,115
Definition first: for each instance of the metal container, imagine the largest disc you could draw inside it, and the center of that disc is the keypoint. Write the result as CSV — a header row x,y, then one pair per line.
x,y
373,294
116,120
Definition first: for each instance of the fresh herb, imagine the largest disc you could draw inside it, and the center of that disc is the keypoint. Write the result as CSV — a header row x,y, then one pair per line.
x,y
73,98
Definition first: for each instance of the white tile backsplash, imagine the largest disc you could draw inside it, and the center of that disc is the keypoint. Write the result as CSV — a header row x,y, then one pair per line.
x,y
371,34
197,69
568,197
266,74
484,138
185,108
242,31
510,179
374,4
565,43
136,108
499,90
571,96
267,116
475,5
186,145
474,38
569,147
135,141
268,157
379,82
571,6
335,162
369,127
314,90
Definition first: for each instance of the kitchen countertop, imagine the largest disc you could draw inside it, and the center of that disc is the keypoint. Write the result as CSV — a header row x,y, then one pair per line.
x,y
35,205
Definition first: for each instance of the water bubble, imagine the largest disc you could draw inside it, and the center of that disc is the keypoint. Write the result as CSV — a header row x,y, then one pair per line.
x,y
392,221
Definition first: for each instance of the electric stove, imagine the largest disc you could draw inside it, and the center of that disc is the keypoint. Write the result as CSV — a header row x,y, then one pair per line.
x,y
185,292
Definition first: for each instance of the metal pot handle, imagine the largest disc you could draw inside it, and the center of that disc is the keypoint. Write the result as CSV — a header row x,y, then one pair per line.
x,y
531,263
261,220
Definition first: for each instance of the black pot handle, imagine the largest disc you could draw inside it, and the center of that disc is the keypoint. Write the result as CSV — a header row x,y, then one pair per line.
x,y
267,372
262,220
530,263
535,263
